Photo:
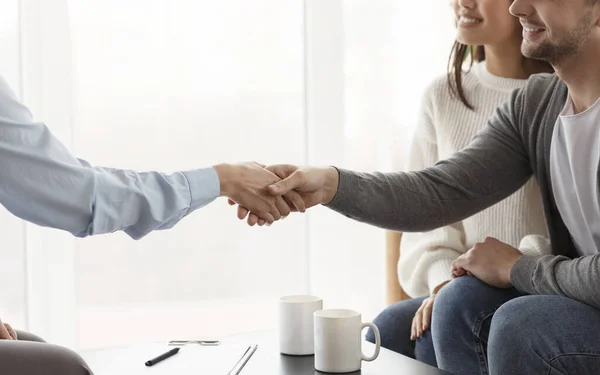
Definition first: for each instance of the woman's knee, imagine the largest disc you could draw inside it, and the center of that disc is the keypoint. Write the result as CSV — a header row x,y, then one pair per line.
x,y
458,299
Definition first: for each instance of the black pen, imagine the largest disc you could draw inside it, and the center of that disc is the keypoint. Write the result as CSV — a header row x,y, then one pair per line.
x,y
162,357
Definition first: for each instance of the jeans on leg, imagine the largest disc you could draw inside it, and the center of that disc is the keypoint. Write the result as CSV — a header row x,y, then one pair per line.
x,y
462,314
394,324
547,335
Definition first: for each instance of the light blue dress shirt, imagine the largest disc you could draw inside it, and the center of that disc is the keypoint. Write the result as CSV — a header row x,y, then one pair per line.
x,y
42,182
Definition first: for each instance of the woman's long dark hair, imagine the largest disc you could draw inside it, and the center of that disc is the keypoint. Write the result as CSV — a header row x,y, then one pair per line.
x,y
460,53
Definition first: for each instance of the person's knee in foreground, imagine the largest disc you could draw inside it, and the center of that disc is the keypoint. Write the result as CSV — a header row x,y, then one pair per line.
x,y
37,358
24,353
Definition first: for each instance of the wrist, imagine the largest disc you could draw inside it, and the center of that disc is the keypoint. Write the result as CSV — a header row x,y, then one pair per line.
x,y
225,173
510,267
330,186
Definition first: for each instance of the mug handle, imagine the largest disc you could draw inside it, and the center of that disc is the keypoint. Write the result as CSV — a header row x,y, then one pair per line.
x,y
377,342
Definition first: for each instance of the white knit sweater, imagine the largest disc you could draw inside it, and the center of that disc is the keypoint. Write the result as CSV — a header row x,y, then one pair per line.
x,y
446,126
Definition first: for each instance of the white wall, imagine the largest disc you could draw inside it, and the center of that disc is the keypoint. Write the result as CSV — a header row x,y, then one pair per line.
x,y
174,85
179,85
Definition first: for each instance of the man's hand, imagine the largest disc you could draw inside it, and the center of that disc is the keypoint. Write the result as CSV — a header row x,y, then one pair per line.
x,y
7,332
490,261
302,188
317,184
246,184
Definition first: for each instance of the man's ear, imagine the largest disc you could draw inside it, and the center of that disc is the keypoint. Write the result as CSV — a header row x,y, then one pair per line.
x,y
596,11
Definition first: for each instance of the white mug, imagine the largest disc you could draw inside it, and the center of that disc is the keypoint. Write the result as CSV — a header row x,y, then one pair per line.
x,y
338,341
296,330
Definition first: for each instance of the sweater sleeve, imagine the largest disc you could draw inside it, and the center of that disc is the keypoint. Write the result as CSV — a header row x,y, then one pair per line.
x,y
535,245
573,278
427,256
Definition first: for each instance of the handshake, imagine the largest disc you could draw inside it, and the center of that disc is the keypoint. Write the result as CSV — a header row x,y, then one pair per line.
x,y
265,194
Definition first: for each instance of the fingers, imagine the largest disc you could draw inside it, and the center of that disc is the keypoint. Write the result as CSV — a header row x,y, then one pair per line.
x,y
282,207
295,180
242,212
461,262
458,273
296,200
268,211
418,320
427,314
413,327
255,220
4,334
267,217
11,331
252,220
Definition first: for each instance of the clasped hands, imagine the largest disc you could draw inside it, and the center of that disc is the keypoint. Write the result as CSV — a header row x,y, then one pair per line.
x,y
265,194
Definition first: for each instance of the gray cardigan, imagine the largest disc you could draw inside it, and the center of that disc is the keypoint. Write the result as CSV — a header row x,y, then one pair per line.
x,y
498,161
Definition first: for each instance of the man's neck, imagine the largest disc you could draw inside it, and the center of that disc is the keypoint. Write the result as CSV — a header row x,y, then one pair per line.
x,y
506,61
581,73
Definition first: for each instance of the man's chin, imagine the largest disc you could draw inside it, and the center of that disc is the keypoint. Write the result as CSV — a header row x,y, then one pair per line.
x,y
533,51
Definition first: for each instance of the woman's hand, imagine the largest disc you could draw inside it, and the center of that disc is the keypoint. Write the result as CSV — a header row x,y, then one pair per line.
x,y
422,319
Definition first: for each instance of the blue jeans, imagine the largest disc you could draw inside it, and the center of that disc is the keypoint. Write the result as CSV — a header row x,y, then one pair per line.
x,y
478,329
394,325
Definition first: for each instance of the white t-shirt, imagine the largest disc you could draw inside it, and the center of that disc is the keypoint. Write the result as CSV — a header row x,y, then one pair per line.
x,y
574,156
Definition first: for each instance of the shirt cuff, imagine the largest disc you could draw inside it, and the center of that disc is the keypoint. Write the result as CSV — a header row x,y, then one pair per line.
x,y
204,187
345,197
521,273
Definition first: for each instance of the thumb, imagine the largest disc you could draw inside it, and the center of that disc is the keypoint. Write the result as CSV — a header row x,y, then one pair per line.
x,y
292,182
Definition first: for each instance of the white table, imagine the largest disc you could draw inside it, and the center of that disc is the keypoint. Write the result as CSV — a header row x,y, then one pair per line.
x,y
218,360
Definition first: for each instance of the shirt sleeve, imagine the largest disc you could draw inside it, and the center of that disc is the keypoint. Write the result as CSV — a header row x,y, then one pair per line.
x,y
42,182
493,166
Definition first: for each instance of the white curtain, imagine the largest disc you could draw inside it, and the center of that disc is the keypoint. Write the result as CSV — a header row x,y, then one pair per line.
x,y
171,85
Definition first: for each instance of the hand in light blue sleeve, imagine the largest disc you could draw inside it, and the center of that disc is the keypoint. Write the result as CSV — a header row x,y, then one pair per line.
x,y
42,182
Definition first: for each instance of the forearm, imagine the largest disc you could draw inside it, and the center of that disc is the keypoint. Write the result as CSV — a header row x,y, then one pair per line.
x,y
494,165
419,201
43,183
548,274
